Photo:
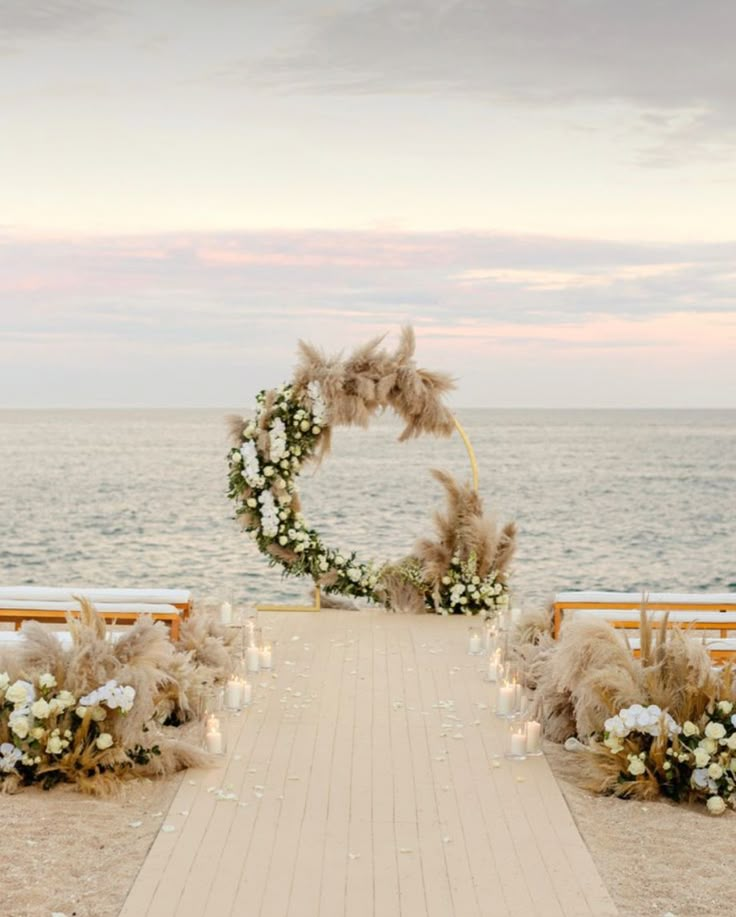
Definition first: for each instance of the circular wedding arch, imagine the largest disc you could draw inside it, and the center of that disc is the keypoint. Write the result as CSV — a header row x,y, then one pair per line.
x,y
293,426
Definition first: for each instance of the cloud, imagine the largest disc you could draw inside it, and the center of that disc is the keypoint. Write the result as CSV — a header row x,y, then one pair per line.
x,y
21,19
220,313
671,62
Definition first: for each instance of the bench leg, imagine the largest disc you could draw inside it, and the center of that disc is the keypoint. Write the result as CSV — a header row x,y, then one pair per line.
x,y
174,630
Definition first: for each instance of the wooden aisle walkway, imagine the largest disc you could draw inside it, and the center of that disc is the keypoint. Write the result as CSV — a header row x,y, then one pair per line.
x,y
365,781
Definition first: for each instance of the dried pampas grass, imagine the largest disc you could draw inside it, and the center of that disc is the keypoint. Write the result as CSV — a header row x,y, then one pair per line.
x,y
171,682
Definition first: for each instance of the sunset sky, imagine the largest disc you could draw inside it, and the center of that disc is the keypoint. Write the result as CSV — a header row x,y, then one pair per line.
x,y
545,189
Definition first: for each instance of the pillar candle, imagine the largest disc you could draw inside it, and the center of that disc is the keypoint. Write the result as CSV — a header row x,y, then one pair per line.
x,y
214,743
533,737
226,613
474,644
247,692
505,700
518,744
253,658
234,694
266,657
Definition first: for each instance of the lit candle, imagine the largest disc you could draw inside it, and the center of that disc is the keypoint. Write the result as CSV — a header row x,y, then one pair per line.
x,y
489,637
533,737
226,613
234,694
518,744
214,736
250,632
518,692
505,700
247,692
474,644
253,659
266,657
494,664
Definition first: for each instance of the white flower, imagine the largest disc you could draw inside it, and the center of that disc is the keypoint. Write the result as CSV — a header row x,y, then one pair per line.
x,y
47,680
40,709
236,457
636,766
353,574
37,732
19,725
715,771
104,740
731,741
9,757
54,745
614,743
715,730
304,426
64,700
725,706
710,745
716,805
690,729
4,680
19,693
699,778
615,726
701,757
252,502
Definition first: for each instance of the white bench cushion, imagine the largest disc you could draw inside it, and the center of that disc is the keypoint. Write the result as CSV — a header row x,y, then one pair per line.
x,y
135,596
723,644
11,638
103,607
701,600
717,618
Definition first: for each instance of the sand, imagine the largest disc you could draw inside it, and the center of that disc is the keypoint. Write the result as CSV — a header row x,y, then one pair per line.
x,y
63,852
655,858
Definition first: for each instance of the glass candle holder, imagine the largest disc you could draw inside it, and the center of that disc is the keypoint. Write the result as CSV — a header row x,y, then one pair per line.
x,y
215,736
494,672
516,742
506,700
533,738
475,643
266,655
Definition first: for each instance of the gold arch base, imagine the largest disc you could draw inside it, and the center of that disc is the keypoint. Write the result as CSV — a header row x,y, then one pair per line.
x,y
317,603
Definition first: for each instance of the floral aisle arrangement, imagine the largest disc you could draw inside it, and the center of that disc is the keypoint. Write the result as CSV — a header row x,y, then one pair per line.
x,y
293,427
650,754
99,712
663,724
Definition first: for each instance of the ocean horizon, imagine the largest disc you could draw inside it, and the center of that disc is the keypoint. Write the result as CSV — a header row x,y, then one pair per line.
x,y
605,498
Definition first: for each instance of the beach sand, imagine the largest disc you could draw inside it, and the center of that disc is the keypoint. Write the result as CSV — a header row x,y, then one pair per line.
x,y
63,852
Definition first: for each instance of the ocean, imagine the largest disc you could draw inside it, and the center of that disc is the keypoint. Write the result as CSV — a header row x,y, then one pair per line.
x,y
603,499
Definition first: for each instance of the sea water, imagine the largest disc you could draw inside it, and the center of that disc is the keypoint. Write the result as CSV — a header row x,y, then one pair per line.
x,y
616,500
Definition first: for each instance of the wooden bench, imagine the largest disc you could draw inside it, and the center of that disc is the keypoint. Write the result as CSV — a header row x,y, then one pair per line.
x,y
116,606
702,612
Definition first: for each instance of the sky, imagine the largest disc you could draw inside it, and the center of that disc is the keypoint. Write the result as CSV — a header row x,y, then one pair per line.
x,y
545,189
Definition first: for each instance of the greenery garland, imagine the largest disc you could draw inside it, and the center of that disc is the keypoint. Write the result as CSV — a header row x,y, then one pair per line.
x,y
287,432
263,470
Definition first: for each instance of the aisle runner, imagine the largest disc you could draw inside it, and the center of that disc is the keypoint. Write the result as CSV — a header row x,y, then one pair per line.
x,y
365,780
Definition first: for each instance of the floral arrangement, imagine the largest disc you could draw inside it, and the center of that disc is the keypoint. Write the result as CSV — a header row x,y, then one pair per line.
x,y
292,426
99,711
692,761
49,735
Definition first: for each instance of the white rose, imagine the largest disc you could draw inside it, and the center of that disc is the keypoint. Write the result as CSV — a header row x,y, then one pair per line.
x,y
97,714
268,471
725,706
715,730
252,502
636,766
614,743
710,745
701,757
20,726
4,680
54,745
18,693
37,732
715,771
47,680
446,580
731,742
104,740
40,709
716,805
283,540
316,430
64,700
690,729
